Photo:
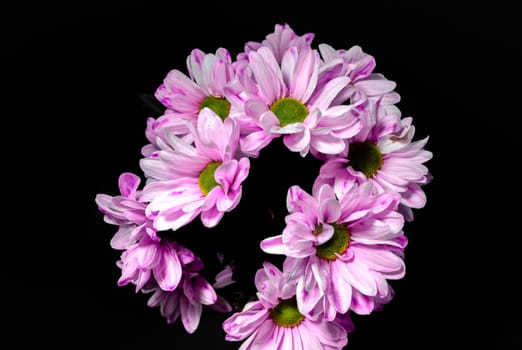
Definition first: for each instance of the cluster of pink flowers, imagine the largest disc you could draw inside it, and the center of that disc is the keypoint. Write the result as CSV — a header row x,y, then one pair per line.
x,y
343,240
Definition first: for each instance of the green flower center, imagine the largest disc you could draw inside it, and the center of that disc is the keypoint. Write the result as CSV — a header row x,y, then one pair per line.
x,y
219,105
286,314
337,244
206,179
365,157
288,110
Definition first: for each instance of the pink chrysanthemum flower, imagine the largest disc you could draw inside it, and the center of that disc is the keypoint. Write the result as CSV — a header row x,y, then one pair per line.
x,y
274,321
188,180
126,211
285,99
383,153
193,292
208,75
341,251
185,96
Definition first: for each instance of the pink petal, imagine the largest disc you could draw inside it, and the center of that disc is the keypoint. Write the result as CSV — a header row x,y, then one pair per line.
x,y
288,66
327,144
212,136
242,172
221,74
228,201
173,220
330,334
196,68
341,292
329,210
324,193
345,321
307,299
255,108
325,235
128,184
362,304
289,129
297,342
265,69
224,277
375,85
155,299
254,142
143,278
273,245
211,217
321,272
181,93
241,324
414,197
326,95
268,336
309,337
225,173
122,239
296,231
298,142
221,305
269,122
148,254
170,304
380,260
305,75
285,339
168,272
204,293
385,202
190,315
297,200
359,277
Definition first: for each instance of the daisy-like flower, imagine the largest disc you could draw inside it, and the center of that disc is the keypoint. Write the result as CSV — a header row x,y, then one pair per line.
x,y
127,211
188,180
193,292
208,75
275,322
341,251
383,153
284,99
185,96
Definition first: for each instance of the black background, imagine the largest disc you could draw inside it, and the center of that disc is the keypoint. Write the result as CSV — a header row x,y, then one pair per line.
x,y
72,77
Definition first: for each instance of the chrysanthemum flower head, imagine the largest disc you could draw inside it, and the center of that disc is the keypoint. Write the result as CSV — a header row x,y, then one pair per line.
x,y
285,99
275,322
185,96
383,153
208,75
341,251
127,211
188,180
